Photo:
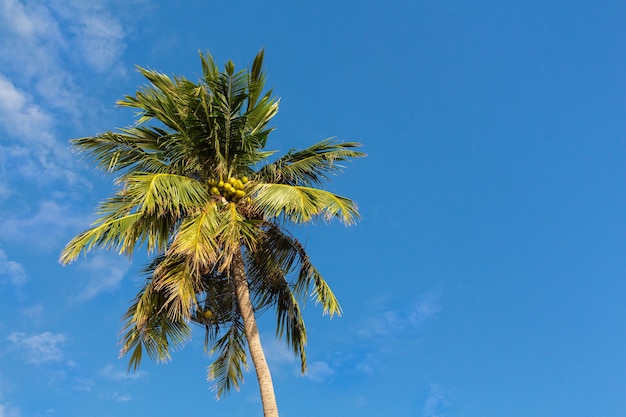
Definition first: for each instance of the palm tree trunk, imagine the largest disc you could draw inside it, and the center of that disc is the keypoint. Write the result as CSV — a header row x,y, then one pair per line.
x,y
270,409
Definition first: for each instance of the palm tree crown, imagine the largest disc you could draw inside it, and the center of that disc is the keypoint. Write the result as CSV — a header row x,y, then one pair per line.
x,y
197,187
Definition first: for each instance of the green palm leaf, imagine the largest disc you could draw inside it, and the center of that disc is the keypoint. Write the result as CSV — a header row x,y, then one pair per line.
x,y
300,204
133,149
227,369
148,326
310,166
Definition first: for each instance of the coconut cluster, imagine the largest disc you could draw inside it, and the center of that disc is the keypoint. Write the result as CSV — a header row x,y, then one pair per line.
x,y
232,190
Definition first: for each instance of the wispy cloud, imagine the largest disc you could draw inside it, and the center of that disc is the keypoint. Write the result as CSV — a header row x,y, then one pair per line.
x,y
386,327
4,387
319,371
117,374
39,348
55,218
277,352
116,397
83,384
12,270
9,411
101,39
436,402
21,117
29,148
121,398
281,358
105,274
48,54
34,313
50,38
403,320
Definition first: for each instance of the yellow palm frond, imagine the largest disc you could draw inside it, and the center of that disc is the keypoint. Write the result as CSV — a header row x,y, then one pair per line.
x,y
300,204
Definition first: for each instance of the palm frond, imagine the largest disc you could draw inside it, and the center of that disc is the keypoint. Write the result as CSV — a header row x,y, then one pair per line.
x,y
147,210
196,239
133,149
236,230
310,166
322,293
164,99
301,204
179,283
278,294
164,194
148,326
108,234
279,255
227,369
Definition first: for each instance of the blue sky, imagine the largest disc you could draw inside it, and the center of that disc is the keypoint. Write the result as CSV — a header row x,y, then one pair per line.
x,y
486,277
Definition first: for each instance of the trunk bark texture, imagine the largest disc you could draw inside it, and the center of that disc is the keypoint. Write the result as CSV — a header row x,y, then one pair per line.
x,y
242,291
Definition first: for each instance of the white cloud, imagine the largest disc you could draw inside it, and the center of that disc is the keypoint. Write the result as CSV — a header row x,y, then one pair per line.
x,y
13,270
21,117
387,327
46,228
33,47
28,21
435,402
4,387
319,371
101,39
33,152
83,384
34,313
426,307
277,352
49,51
50,37
39,348
116,396
403,320
121,398
367,364
106,273
116,374
8,411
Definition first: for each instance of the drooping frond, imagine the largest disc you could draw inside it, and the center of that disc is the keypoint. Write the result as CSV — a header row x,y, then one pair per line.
x,y
310,166
110,233
146,210
178,282
227,369
197,237
278,294
277,257
300,204
135,149
165,194
148,326
236,231
280,255
167,100
214,304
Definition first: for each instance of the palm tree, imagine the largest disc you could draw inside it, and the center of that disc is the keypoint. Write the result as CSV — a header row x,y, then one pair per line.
x,y
198,189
